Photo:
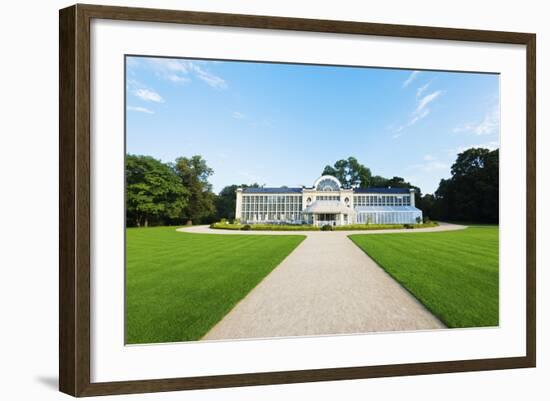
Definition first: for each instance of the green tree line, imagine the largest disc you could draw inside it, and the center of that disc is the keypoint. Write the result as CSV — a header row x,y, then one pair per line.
x,y
167,193
177,193
471,193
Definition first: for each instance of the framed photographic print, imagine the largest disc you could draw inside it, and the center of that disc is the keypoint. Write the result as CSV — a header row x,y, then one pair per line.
x,y
250,200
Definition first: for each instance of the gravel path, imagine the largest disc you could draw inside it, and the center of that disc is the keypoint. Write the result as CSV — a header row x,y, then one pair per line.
x,y
327,285
208,230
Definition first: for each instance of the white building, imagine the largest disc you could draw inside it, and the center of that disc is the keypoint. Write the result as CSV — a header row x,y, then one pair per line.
x,y
327,202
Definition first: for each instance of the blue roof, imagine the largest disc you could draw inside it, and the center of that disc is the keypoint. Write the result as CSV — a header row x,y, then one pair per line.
x,y
280,190
374,190
364,209
286,190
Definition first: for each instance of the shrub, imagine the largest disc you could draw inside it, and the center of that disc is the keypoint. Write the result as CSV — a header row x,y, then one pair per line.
x,y
246,227
327,227
410,226
426,225
368,227
284,227
225,226
223,221
418,220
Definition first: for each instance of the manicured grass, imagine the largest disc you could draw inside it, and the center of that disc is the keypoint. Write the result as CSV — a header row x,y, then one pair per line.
x,y
179,285
454,274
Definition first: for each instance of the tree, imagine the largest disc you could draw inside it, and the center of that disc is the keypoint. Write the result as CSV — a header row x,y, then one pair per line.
x,y
426,203
378,181
194,173
153,191
472,192
350,173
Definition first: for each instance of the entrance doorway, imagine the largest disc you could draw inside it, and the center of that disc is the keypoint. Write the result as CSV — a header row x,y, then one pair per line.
x,y
323,219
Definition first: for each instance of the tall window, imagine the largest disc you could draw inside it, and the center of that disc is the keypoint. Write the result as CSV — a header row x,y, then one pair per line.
x,y
272,208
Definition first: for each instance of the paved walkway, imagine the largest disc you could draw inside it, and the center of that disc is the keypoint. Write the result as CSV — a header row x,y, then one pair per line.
x,y
208,230
327,285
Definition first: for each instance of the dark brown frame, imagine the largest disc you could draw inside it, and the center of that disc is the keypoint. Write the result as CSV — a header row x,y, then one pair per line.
x,y
74,199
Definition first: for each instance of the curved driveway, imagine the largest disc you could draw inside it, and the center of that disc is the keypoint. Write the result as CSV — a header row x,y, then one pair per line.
x,y
208,230
327,285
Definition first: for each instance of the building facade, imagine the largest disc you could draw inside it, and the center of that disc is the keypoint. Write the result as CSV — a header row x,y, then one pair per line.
x,y
326,202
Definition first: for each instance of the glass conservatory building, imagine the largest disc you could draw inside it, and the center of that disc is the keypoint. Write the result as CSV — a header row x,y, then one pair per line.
x,y
327,202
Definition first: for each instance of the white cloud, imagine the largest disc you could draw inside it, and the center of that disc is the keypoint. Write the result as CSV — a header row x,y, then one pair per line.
x,y
213,80
419,116
492,145
181,71
141,109
411,78
172,70
148,95
462,128
422,89
177,78
422,111
416,117
489,125
170,64
428,158
238,115
426,100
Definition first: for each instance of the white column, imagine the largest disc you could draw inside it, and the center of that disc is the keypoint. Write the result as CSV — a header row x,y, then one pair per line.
x,y
412,197
238,203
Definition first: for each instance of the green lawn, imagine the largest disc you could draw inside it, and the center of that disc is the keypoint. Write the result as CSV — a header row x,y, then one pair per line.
x,y
179,285
454,274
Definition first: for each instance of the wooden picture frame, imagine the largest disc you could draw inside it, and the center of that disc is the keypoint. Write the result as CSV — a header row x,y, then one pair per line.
x,y
74,203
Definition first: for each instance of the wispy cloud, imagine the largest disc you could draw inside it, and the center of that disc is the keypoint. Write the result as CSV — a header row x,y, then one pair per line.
x,y
426,100
170,64
420,90
491,145
213,80
177,78
421,111
419,116
416,117
182,71
489,125
173,70
141,109
148,95
238,115
413,75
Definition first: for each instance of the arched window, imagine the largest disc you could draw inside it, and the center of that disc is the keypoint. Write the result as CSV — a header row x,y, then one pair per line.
x,y
328,184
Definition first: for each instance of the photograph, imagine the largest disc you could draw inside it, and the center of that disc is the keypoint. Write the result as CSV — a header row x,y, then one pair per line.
x,y
269,199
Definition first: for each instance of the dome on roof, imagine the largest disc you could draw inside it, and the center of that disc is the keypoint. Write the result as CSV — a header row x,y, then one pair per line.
x,y
327,183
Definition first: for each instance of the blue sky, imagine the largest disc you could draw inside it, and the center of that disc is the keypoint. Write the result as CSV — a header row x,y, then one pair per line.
x,y
280,124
